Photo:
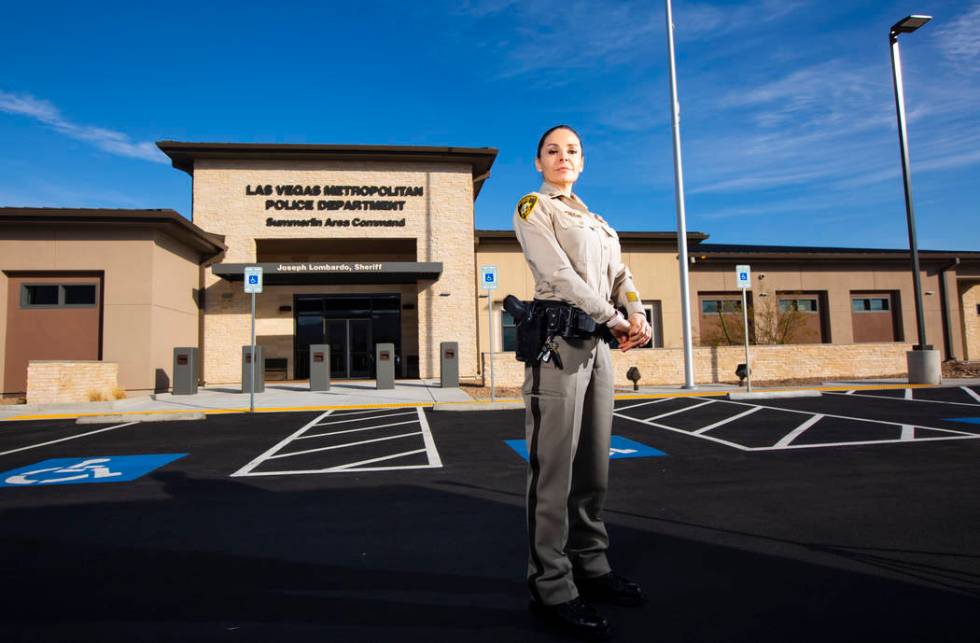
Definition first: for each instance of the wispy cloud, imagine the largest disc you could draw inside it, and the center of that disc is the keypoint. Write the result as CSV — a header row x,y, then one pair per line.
x,y
107,140
703,20
959,41
481,8
558,35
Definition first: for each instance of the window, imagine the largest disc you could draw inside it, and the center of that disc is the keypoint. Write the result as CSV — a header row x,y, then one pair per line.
x,y
714,306
870,304
508,330
57,296
80,295
802,305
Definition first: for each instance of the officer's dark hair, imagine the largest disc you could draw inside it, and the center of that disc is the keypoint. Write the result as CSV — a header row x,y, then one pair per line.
x,y
548,133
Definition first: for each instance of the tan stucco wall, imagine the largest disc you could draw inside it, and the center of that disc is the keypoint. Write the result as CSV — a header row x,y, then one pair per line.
x,y
839,281
970,296
441,220
656,275
659,366
148,289
654,271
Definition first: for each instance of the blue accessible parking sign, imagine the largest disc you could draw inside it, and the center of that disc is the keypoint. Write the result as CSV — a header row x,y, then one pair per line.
x,y
619,448
115,468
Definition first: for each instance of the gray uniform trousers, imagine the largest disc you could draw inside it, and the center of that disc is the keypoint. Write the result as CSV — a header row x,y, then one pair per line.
x,y
568,421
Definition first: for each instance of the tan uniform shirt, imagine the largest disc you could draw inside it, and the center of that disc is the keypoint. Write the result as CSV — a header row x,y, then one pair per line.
x,y
574,254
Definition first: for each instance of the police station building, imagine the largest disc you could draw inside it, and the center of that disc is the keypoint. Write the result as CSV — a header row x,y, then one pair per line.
x,y
363,245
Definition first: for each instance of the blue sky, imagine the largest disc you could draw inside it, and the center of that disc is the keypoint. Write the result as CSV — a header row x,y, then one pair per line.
x,y
788,117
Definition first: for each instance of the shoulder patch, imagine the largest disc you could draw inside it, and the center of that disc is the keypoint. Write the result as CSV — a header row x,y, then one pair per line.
x,y
526,205
632,296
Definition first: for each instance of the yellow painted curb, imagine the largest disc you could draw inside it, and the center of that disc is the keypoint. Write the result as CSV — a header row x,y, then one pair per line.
x,y
282,409
391,405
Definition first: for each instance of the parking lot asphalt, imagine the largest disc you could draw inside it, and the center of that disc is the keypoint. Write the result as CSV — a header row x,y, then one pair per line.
x,y
845,517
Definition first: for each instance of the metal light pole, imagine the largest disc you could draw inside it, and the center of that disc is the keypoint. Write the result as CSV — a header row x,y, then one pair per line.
x,y
923,365
675,112
908,25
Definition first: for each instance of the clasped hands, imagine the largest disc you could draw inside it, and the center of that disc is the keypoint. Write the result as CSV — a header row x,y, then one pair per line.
x,y
636,332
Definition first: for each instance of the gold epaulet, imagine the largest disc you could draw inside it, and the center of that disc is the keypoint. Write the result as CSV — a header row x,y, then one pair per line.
x,y
526,205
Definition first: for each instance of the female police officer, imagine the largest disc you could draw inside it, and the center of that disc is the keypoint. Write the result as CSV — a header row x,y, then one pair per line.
x,y
576,261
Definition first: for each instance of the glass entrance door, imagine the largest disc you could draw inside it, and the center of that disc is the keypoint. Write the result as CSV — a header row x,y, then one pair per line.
x,y
351,324
359,348
350,347
336,336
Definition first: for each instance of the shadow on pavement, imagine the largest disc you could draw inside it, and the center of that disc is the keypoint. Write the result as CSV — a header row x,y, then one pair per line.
x,y
216,559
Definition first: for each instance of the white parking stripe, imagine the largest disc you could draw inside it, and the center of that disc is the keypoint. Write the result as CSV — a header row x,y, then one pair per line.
x,y
907,431
731,419
684,410
887,397
633,406
971,393
908,394
343,413
341,468
275,453
244,471
73,437
863,442
430,444
670,428
830,415
366,428
797,432
365,419
342,446
851,392
352,465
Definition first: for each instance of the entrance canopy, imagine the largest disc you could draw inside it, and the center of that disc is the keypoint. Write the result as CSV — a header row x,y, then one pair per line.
x,y
335,272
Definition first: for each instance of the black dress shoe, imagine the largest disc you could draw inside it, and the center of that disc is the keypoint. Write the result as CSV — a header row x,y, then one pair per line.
x,y
611,588
575,617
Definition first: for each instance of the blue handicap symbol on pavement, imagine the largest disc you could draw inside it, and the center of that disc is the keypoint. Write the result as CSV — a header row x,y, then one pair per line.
x,y
115,468
967,420
619,448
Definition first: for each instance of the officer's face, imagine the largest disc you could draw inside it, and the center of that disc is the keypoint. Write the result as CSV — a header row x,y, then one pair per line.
x,y
561,159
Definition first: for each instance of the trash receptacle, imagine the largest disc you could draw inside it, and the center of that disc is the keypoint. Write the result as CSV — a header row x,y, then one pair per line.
x,y
185,370
247,369
385,365
449,364
319,367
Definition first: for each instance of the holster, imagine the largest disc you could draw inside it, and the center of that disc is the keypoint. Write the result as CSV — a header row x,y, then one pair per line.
x,y
531,328
538,320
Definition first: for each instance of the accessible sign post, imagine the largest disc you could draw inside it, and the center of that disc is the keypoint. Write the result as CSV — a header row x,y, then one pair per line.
x,y
488,281
253,285
743,275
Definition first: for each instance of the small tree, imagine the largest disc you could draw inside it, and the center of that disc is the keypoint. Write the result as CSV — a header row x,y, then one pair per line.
x,y
768,324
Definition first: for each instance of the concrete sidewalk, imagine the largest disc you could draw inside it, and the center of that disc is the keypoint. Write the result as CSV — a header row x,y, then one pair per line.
x,y
229,399
362,393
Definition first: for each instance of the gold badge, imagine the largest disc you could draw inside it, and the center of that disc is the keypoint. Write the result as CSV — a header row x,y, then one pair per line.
x,y
631,296
526,205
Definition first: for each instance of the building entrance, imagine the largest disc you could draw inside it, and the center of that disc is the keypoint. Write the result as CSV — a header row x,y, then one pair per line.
x,y
351,325
350,347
